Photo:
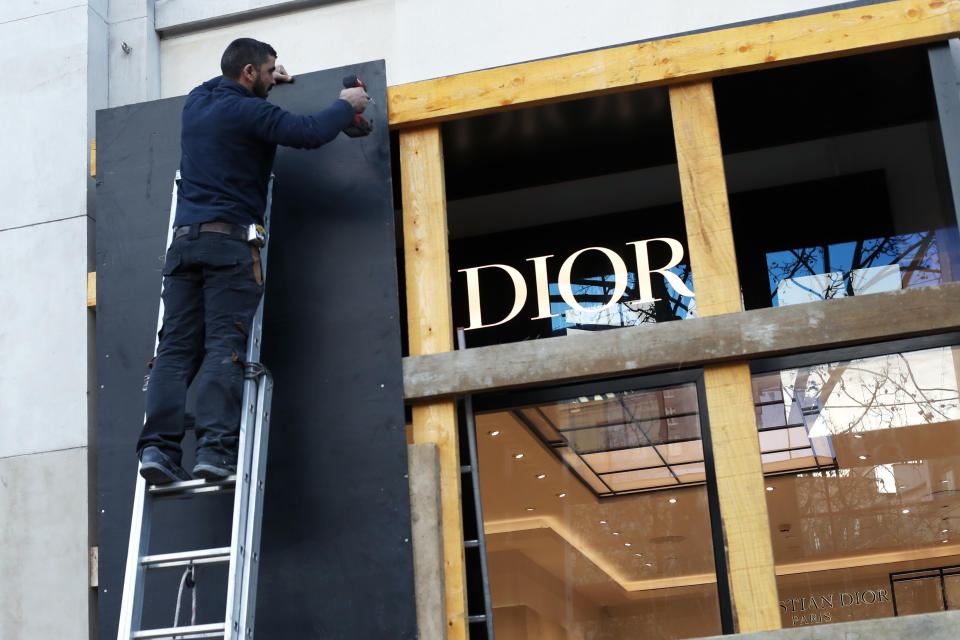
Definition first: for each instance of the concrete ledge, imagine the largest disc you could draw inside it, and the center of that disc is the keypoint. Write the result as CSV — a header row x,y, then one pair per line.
x,y
944,625
173,17
732,337
428,568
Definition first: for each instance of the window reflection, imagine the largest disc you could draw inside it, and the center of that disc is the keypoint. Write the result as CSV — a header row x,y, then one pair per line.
x,y
887,502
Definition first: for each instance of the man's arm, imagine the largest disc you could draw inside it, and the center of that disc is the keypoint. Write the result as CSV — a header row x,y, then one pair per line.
x,y
274,124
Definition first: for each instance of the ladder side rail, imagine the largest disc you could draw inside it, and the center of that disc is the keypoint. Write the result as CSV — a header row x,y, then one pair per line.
x,y
131,602
240,557
248,607
478,505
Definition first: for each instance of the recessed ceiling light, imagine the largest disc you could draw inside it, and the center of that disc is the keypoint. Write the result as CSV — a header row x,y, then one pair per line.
x,y
905,511
518,455
494,433
603,522
944,530
616,533
561,495
639,555
944,541
541,476
672,500
862,457
627,544
858,435
529,508
769,488
944,482
649,564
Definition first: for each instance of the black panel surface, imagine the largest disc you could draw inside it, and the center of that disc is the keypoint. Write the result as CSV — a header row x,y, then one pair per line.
x,y
336,557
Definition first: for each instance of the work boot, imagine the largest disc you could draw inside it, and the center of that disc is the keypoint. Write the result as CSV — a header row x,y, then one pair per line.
x,y
214,466
158,468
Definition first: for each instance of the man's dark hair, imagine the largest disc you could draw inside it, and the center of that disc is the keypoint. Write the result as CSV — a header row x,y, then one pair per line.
x,y
244,51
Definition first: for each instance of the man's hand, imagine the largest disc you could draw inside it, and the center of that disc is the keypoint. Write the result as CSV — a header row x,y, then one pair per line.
x,y
357,97
280,75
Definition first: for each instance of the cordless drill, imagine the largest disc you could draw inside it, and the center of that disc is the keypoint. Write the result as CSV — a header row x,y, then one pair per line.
x,y
360,126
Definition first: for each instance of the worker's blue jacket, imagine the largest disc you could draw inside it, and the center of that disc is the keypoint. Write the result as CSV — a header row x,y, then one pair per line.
x,y
227,145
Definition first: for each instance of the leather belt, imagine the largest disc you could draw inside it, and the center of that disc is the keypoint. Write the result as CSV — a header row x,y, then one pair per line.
x,y
226,228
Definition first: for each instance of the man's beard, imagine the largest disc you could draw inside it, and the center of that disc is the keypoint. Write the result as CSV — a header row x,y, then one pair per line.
x,y
260,89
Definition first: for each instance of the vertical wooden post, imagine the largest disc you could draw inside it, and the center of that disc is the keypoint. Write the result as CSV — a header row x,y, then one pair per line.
x,y
733,427
430,329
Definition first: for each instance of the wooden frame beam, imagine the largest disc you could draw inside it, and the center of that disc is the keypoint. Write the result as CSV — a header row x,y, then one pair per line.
x,y
430,331
733,427
697,342
683,58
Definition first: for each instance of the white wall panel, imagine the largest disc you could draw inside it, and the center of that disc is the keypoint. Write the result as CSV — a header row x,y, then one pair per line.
x,y
43,537
21,9
43,338
308,40
44,165
423,39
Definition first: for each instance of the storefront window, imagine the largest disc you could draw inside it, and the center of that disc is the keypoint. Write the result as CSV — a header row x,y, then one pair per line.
x,y
868,524
596,516
566,218
837,181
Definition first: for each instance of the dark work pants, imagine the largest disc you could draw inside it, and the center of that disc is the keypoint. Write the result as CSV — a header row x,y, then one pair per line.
x,y
210,294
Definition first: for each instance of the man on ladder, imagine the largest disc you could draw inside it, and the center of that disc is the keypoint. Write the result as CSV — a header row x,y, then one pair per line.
x,y
212,281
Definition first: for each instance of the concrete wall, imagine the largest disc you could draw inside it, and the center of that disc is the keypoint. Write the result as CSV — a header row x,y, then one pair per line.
x,y
55,50
430,38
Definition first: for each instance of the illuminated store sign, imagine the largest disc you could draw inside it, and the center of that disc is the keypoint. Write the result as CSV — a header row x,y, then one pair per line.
x,y
565,288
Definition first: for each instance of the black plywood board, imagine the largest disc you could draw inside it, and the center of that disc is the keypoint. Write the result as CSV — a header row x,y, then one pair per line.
x,y
336,553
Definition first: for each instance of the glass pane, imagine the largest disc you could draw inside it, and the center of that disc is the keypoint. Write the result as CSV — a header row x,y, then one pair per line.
x,y
845,156
874,505
605,544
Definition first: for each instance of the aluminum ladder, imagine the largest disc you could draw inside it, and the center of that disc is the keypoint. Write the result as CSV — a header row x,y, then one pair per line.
x,y
243,554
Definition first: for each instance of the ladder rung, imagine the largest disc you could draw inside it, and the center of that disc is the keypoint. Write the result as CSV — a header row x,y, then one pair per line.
x,y
185,558
192,487
196,631
471,544
478,618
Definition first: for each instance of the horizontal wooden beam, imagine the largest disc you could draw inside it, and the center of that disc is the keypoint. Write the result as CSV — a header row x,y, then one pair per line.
x,y
680,344
682,58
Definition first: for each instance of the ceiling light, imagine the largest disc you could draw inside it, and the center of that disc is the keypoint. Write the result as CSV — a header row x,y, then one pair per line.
x,y
603,522
649,564
627,544
944,541
494,433
639,555
862,457
529,508
518,455
769,488
616,533
541,476
858,435
561,495
672,500
944,482
905,511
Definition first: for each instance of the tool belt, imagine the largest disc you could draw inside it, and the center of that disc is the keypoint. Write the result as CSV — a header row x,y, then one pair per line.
x,y
252,234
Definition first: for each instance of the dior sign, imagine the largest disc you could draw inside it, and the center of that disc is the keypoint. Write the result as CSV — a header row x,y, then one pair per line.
x,y
542,285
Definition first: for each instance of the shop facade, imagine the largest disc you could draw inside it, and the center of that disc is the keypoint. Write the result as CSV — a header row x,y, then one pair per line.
x,y
707,314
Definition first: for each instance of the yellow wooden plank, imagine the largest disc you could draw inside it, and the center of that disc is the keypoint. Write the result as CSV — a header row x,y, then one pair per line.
x,y
92,289
93,158
733,427
706,209
683,58
743,505
430,330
